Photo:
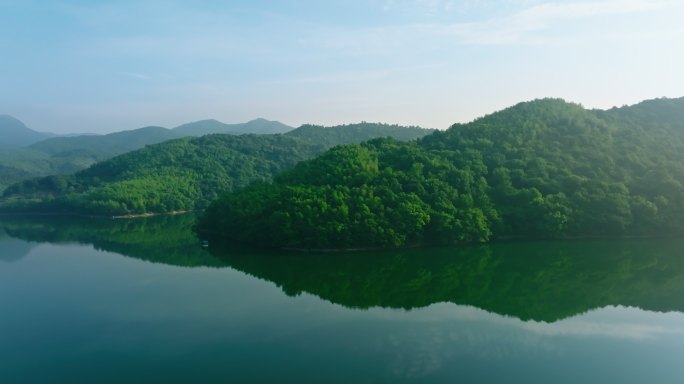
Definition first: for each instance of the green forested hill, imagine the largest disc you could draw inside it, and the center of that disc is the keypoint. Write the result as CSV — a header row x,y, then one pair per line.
x,y
182,174
67,154
539,169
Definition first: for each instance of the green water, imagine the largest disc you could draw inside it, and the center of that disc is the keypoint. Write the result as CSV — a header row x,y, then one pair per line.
x,y
140,301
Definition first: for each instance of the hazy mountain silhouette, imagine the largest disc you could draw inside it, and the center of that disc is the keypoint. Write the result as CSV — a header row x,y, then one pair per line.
x,y
257,126
15,134
37,154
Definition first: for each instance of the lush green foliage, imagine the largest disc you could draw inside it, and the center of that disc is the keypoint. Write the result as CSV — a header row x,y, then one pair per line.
x,y
557,169
380,193
540,169
182,174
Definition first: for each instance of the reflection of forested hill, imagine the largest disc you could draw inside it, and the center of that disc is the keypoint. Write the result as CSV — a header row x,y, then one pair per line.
x,y
162,239
12,249
542,281
530,280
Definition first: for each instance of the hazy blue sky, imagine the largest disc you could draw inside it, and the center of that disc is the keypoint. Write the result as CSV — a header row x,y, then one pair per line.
x,y
98,66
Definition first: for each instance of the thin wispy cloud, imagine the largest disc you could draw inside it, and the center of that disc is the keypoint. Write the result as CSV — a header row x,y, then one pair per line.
x,y
528,25
423,7
539,18
135,75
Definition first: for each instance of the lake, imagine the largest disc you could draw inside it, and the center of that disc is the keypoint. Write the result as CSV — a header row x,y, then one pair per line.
x,y
98,301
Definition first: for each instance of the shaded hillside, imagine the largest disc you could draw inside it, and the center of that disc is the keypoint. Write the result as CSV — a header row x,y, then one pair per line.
x,y
182,174
116,143
14,134
540,169
64,155
105,146
25,163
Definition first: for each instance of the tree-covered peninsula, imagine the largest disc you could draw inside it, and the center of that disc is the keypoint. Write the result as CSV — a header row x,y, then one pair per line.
x,y
184,174
540,169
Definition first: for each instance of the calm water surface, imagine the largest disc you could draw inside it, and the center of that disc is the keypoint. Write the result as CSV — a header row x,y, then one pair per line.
x,y
140,301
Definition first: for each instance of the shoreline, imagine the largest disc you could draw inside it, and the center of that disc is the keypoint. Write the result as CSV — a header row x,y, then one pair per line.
x,y
151,214
111,217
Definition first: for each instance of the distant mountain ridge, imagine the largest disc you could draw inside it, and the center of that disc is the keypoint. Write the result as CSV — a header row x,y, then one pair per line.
x,y
116,143
15,134
107,145
41,154
206,127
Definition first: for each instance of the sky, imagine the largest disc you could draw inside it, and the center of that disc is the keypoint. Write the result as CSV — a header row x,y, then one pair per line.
x,y
70,66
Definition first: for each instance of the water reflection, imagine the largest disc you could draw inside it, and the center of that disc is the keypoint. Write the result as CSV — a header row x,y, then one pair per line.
x,y
12,249
162,239
542,281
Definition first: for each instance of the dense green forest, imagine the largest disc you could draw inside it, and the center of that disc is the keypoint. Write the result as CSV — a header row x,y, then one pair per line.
x,y
540,169
183,174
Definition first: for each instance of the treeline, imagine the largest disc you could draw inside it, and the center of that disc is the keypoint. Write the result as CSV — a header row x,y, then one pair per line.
x,y
542,169
180,175
356,133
